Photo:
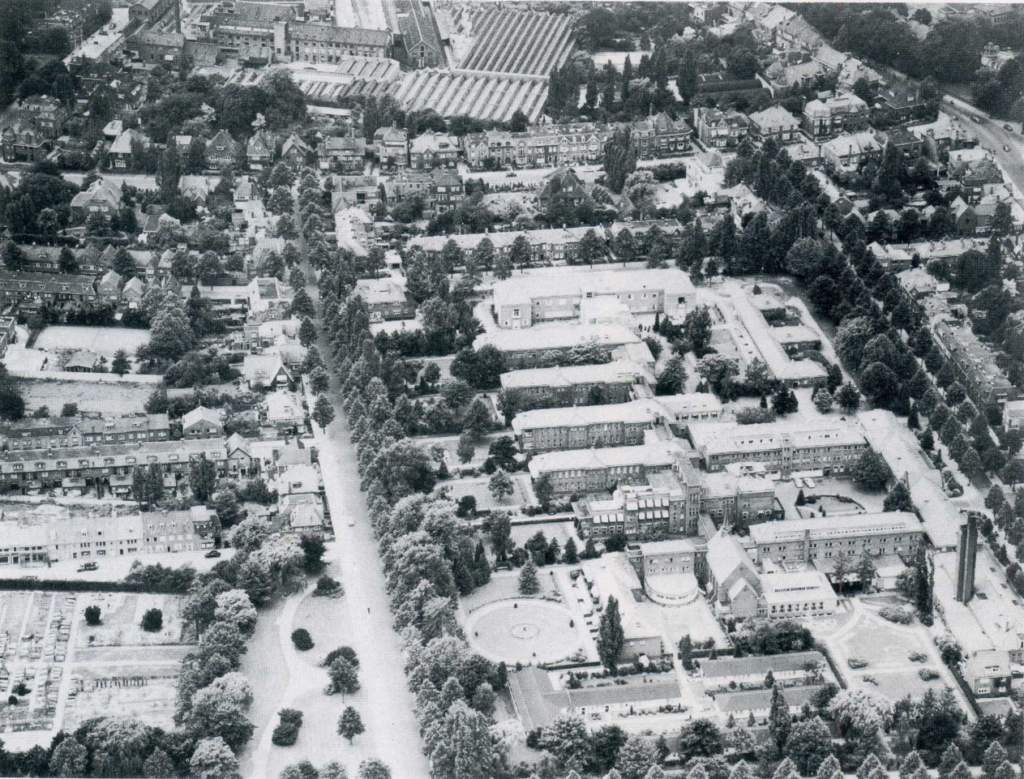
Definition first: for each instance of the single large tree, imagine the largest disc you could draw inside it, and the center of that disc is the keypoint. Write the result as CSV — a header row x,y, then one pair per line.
x,y
610,636
780,722
350,724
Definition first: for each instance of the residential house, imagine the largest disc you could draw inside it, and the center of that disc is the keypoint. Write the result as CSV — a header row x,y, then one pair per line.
x,y
907,143
834,115
385,299
946,133
847,153
133,291
46,115
988,673
295,153
360,191
344,154
96,537
903,102
284,412
775,122
102,197
259,150
96,465
854,71
122,151
221,150
108,288
391,146
433,150
202,422
720,129
447,191
21,142
265,370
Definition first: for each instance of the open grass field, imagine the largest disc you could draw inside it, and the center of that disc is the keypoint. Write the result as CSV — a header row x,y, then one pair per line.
x,y
104,341
90,396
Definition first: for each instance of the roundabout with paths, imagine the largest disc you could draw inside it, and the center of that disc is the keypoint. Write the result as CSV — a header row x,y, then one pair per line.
x,y
523,630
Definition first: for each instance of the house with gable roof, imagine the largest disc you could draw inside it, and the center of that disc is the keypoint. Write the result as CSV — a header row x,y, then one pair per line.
x,y
221,150
259,150
295,152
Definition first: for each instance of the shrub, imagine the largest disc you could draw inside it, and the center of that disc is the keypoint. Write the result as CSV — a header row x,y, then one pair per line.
x,y
918,657
153,621
92,615
287,732
302,640
927,674
343,651
326,586
755,416
897,615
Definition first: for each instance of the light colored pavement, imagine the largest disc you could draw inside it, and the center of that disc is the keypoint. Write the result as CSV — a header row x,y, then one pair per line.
x,y
385,703
992,136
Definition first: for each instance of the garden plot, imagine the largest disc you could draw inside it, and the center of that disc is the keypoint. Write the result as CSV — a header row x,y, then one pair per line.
x,y
33,647
105,341
143,692
121,619
90,396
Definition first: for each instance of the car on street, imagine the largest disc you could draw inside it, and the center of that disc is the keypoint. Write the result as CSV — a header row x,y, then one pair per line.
x,y
212,553
975,119
87,567
1008,126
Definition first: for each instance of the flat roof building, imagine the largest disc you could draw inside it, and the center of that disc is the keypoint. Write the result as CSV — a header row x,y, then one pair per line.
x,y
522,302
780,448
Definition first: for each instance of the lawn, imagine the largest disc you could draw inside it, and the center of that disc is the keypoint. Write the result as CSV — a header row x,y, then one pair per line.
x,y
478,487
105,341
90,396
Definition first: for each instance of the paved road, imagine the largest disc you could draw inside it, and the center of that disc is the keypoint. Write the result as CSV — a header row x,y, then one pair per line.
x,y
387,705
992,136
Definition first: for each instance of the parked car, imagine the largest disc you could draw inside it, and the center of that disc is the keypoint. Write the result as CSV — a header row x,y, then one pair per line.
x,y
212,553
87,567
1008,126
1006,147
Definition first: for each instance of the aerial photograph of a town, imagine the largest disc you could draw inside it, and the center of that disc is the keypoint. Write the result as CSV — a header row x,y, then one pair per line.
x,y
470,389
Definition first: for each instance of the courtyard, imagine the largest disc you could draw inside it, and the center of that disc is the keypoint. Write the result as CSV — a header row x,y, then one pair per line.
x,y
523,630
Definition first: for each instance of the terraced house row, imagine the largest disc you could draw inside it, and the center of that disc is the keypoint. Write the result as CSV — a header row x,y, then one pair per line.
x,y
567,144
